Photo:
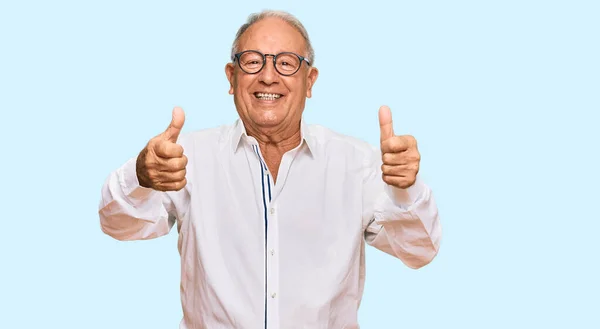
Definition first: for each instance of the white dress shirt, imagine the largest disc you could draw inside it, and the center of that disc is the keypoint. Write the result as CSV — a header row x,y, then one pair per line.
x,y
257,255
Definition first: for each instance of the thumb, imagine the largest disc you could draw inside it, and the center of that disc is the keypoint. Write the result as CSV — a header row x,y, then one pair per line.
x,y
172,132
385,123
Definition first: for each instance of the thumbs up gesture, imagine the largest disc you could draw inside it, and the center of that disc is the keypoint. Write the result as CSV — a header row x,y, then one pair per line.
x,y
161,164
399,153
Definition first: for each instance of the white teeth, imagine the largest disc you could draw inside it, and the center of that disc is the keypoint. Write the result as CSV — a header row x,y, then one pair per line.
x,y
266,96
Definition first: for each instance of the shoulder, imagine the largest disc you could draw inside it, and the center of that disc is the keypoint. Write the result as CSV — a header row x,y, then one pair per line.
x,y
330,141
210,138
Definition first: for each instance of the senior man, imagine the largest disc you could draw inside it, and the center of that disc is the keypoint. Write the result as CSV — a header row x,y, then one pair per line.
x,y
273,214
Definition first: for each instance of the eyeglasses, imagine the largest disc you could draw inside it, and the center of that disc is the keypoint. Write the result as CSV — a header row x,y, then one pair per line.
x,y
286,63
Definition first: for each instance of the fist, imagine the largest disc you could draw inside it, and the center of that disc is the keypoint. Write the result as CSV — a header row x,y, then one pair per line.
x,y
400,155
161,164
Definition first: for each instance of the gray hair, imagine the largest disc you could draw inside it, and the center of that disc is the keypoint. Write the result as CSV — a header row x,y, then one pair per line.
x,y
287,17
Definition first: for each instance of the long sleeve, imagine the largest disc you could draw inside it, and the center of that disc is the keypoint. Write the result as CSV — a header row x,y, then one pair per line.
x,y
401,222
129,211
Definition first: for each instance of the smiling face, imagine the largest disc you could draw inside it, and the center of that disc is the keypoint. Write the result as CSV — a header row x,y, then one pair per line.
x,y
268,101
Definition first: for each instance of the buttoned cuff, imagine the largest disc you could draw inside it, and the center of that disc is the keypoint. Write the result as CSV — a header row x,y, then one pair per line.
x,y
404,198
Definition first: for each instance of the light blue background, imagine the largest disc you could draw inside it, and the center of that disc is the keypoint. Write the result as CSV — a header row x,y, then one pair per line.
x,y
502,96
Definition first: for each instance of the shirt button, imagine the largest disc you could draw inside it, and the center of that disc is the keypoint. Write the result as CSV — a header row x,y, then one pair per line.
x,y
272,211
272,252
273,295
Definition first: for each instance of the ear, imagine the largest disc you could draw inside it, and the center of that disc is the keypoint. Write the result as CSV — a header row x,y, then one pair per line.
x,y
313,74
229,70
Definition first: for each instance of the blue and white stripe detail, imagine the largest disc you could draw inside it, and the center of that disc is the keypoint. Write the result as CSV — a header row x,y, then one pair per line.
x,y
266,194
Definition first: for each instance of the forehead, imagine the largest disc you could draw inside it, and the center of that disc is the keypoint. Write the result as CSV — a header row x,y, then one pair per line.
x,y
272,35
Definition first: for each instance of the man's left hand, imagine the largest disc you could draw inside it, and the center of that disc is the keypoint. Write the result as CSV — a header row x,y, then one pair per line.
x,y
399,153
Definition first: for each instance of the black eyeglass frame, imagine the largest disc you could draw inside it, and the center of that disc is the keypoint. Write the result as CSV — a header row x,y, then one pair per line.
x,y
237,56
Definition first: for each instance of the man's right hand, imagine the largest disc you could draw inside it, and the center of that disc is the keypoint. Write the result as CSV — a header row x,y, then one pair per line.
x,y
161,164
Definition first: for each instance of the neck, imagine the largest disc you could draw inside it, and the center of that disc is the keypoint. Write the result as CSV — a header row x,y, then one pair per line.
x,y
275,142
283,138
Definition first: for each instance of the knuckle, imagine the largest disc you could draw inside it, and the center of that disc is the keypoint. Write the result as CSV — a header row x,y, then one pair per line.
x,y
157,147
388,179
409,140
170,164
413,157
173,164
180,184
179,149
146,159
401,160
152,174
152,164
390,170
154,144
387,158
182,162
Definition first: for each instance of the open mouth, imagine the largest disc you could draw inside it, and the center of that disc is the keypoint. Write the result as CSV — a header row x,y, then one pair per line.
x,y
267,96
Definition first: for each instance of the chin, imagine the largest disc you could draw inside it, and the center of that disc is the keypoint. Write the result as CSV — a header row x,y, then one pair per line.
x,y
267,122
267,118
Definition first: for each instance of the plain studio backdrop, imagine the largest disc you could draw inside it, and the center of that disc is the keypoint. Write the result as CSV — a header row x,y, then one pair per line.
x,y
502,96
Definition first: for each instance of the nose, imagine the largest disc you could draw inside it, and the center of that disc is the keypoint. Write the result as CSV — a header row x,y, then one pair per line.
x,y
268,75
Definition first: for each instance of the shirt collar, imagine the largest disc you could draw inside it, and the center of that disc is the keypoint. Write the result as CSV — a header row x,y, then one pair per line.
x,y
239,133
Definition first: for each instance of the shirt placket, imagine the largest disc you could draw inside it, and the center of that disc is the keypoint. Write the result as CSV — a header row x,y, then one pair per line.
x,y
271,245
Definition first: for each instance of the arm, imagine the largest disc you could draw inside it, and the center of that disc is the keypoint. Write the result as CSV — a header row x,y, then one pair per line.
x,y
144,198
400,213
129,211
401,222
